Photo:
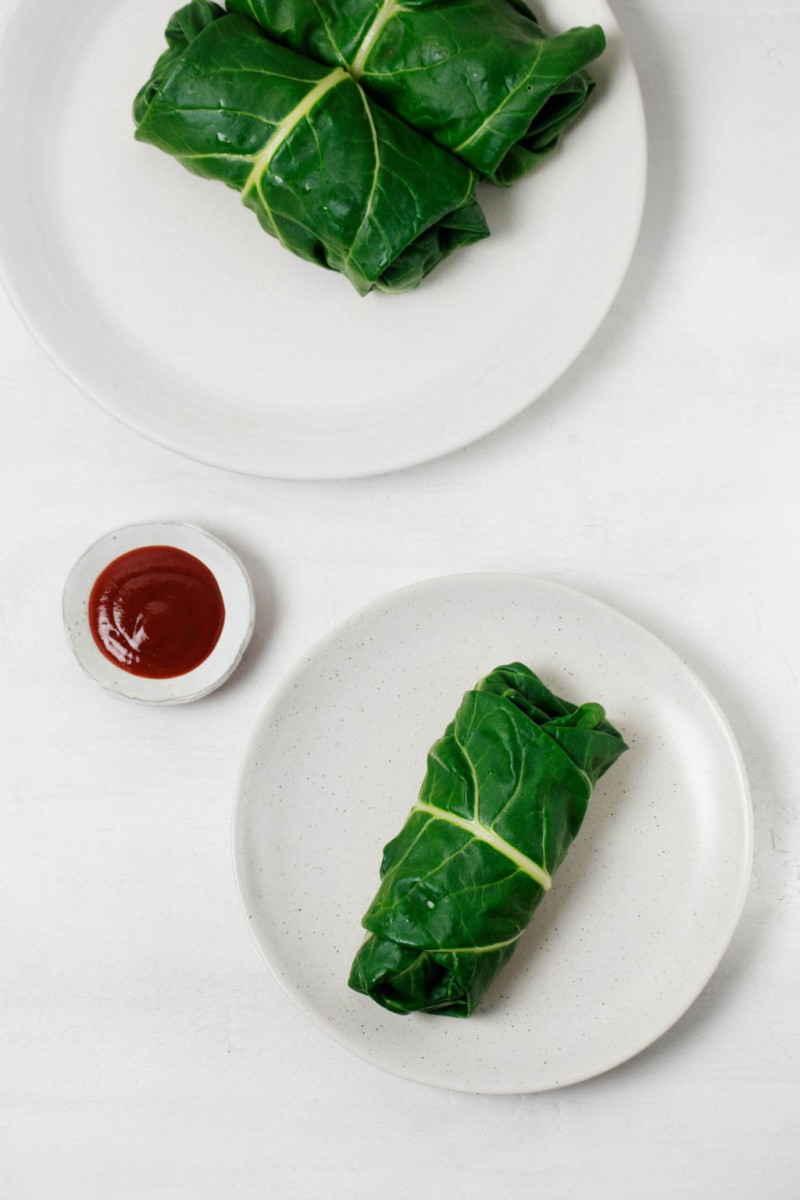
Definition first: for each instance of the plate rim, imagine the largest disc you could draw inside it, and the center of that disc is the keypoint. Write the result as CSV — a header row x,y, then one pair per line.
x,y
452,441
743,795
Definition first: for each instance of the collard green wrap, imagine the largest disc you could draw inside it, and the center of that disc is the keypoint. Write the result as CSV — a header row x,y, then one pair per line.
x,y
334,177
480,77
503,798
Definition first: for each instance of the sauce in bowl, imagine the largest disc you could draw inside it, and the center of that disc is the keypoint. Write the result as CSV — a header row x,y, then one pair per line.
x,y
156,612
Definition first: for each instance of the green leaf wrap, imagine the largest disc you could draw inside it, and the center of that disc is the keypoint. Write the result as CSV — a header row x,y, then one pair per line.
x,y
503,798
480,77
338,180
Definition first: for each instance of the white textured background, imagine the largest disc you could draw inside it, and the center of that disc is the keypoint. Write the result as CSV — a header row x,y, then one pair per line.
x,y
144,1049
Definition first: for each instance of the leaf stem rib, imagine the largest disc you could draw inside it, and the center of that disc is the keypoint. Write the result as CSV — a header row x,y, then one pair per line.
x,y
264,156
476,133
484,834
376,173
387,10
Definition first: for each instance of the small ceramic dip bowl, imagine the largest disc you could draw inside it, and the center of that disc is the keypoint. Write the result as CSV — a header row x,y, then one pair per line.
x,y
237,626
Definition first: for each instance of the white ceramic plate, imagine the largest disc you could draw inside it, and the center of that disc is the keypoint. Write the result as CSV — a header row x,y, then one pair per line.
x,y
159,295
639,914
237,594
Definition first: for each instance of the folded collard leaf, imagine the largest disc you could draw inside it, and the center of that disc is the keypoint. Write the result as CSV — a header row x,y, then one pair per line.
x,y
480,77
503,798
338,180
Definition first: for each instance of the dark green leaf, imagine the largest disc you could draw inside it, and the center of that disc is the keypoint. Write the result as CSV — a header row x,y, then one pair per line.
x,y
503,798
479,76
334,177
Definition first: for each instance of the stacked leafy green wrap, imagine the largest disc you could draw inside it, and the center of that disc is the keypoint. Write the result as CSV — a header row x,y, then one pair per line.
x,y
334,177
503,798
356,130
478,76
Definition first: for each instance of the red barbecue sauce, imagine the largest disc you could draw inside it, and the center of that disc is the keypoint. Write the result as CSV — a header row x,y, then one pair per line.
x,y
156,611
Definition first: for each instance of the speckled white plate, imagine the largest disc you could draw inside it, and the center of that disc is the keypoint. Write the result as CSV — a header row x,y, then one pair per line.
x,y
639,914
160,296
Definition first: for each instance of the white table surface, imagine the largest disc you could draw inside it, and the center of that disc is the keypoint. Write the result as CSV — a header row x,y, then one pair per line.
x,y
145,1050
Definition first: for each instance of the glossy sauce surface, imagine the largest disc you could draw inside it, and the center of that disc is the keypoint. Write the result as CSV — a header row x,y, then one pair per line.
x,y
156,611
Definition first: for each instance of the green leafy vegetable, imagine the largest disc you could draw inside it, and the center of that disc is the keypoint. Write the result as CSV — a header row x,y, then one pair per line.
x,y
338,180
479,76
503,798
